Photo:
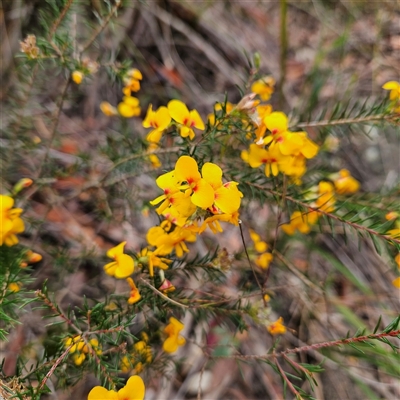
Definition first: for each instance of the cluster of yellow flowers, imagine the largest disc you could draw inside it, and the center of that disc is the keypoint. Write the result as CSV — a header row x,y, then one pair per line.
x,y
264,258
140,354
129,106
286,152
79,348
343,183
133,390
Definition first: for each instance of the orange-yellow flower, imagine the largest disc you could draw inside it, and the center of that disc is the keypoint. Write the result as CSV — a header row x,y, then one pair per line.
x,y
107,109
122,266
277,327
188,119
301,222
140,355
326,200
263,260
171,187
77,77
158,120
129,107
132,81
396,282
174,339
134,295
273,159
345,183
152,259
394,88
133,390
264,87
10,221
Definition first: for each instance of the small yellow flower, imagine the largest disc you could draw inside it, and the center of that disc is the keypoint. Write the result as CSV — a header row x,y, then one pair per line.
x,y
174,339
301,222
129,107
277,327
394,88
14,287
131,81
187,119
396,282
32,258
159,120
122,266
10,221
134,296
391,215
108,109
263,260
267,297
133,390
345,183
77,77
22,184
264,87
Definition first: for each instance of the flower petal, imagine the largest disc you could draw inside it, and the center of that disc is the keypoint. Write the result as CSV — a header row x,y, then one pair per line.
x,y
178,111
212,173
203,194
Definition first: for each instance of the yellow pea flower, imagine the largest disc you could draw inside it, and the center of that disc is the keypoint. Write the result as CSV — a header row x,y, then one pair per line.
x,y
169,183
394,88
276,122
396,282
264,87
273,159
345,183
391,215
132,81
133,390
152,259
107,109
134,296
301,222
175,241
129,107
122,266
186,169
326,200
158,120
14,287
77,77
263,260
10,221
277,327
174,339
188,119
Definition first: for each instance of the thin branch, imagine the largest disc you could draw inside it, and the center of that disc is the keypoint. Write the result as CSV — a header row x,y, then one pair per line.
x,y
162,294
58,21
290,385
135,156
251,264
329,215
101,27
343,121
316,346
54,366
